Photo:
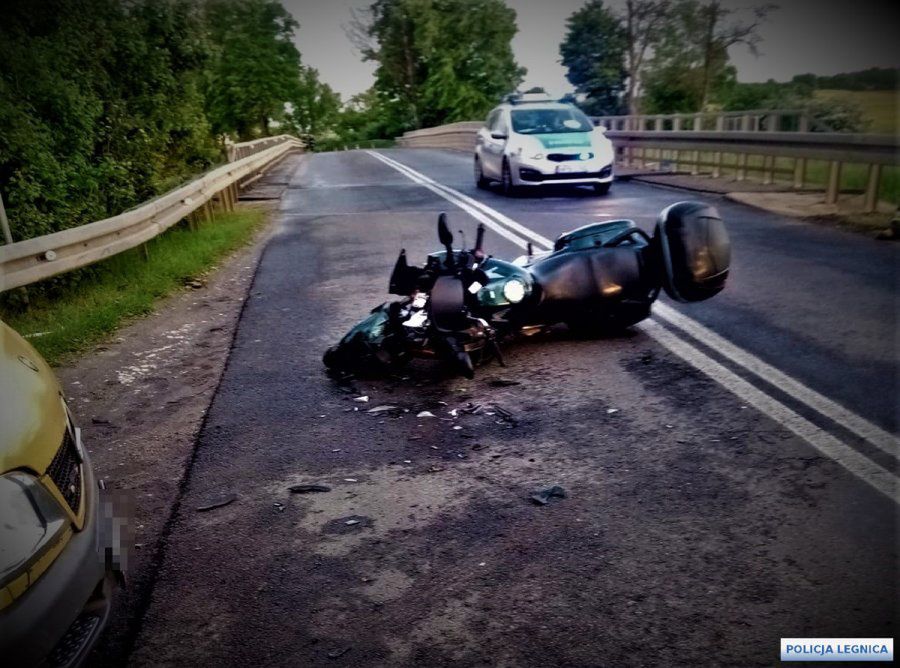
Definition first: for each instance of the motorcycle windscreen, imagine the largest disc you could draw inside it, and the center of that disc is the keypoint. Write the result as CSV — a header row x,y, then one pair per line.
x,y
695,251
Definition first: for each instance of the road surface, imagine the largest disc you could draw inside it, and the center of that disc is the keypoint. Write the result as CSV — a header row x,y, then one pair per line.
x,y
729,468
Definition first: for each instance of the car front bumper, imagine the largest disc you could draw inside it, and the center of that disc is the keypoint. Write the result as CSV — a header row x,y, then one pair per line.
x,y
58,619
547,172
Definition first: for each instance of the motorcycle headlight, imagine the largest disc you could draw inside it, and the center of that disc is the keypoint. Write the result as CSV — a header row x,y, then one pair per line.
x,y
514,290
30,523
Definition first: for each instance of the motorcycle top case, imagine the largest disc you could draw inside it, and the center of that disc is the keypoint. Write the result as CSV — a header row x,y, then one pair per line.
x,y
695,251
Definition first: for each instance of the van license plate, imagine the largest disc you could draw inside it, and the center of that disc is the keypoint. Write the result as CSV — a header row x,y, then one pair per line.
x,y
566,169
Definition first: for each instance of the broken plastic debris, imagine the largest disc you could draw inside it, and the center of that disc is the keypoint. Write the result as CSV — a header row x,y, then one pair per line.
x,y
453,412
610,411
224,501
350,523
542,497
425,414
381,409
350,480
457,427
363,399
306,489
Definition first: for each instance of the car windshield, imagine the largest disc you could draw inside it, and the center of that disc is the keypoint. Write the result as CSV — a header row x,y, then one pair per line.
x,y
549,121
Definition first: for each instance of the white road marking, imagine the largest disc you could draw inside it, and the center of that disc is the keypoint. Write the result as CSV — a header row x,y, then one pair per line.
x,y
787,384
862,467
876,476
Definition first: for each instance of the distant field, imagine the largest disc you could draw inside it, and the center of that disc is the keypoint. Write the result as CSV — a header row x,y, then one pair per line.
x,y
879,106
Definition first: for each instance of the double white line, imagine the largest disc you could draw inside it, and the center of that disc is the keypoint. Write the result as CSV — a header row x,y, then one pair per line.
x,y
826,443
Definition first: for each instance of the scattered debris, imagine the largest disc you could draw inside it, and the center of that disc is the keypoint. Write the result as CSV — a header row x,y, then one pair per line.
x,y
381,409
350,523
407,461
503,382
363,399
453,412
307,489
610,411
278,506
338,653
542,497
218,503
425,414
457,427
505,415
471,409
350,480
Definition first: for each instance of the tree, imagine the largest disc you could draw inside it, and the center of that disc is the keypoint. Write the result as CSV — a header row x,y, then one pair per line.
x,y
255,66
645,22
593,51
315,106
690,64
438,60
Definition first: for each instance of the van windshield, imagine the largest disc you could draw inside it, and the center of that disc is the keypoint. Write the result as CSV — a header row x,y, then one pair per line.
x,y
549,121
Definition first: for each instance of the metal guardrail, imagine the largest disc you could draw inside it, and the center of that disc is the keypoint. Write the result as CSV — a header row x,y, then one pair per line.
x,y
754,120
706,149
32,260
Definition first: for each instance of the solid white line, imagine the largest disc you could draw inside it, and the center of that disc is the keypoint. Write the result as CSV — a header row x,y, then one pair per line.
x,y
865,469
853,461
787,384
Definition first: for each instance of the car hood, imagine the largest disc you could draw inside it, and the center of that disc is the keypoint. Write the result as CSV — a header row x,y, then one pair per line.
x,y
32,413
565,140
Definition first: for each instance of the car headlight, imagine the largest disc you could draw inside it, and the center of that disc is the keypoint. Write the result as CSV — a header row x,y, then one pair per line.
x,y
30,523
514,290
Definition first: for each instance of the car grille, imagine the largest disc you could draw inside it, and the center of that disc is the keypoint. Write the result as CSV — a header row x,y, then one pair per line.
x,y
65,472
565,157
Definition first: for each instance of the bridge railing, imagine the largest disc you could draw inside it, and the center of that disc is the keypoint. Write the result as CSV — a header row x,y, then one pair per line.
x,y
32,260
718,153
754,120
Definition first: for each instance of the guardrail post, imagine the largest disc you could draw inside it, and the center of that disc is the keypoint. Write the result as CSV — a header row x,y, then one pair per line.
x,y
768,169
870,205
4,223
803,123
658,123
799,172
698,122
745,123
741,166
834,183
676,124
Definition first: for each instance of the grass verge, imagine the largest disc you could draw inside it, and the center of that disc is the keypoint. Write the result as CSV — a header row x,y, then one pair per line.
x,y
128,285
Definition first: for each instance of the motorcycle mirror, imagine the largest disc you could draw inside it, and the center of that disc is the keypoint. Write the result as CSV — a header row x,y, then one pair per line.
x,y
479,242
444,234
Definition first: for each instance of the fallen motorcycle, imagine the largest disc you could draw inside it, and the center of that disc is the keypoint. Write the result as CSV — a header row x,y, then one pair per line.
x,y
600,278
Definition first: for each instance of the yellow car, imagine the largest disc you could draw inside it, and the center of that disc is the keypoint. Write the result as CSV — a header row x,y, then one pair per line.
x,y
55,570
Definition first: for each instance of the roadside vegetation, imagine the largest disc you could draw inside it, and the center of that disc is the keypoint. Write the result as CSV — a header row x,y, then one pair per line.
x,y
83,311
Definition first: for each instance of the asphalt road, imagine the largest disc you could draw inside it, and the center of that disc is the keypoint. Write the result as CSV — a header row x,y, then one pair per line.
x,y
697,530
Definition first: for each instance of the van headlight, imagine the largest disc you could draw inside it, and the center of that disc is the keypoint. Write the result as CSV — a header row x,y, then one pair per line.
x,y
31,521
514,290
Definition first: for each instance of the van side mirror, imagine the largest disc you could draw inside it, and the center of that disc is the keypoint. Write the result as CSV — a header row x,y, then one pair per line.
x,y
694,251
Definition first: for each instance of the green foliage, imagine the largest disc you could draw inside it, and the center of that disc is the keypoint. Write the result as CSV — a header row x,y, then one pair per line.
x,y
874,78
126,285
690,69
107,103
439,61
255,66
593,51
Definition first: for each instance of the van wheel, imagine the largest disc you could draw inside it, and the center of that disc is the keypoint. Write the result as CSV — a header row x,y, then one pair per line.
x,y
509,189
602,188
480,181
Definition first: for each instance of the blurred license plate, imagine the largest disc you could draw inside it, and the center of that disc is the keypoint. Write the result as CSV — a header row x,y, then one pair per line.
x,y
566,169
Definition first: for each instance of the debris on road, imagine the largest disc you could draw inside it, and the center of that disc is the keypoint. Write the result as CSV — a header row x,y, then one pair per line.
x,y
350,480
542,497
381,409
424,414
224,501
471,409
350,523
505,415
278,506
611,411
307,489
363,399
338,653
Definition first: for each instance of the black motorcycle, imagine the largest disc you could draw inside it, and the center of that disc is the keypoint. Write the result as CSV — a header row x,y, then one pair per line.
x,y
600,278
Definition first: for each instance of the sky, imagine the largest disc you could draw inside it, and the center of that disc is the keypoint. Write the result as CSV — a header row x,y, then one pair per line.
x,y
818,36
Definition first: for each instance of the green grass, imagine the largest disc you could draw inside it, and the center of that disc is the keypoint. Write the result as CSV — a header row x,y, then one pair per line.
x,y
878,106
127,285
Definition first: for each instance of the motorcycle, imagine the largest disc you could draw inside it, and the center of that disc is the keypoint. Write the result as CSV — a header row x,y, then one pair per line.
x,y
600,278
